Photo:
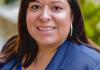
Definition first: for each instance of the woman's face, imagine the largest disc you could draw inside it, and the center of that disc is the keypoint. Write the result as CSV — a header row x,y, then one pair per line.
x,y
48,21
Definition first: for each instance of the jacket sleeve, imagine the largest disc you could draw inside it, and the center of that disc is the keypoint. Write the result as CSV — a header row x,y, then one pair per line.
x,y
8,66
1,65
97,67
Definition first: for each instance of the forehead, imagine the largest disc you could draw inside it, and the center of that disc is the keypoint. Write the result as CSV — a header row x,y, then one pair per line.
x,y
47,1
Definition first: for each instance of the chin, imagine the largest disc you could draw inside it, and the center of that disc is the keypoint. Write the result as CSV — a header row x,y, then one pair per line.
x,y
47,43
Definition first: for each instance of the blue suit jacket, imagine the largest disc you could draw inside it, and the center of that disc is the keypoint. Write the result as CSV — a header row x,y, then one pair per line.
x,y
69,56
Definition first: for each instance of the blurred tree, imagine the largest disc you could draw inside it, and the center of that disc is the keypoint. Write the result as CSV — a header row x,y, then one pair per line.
x,y
82,2
10,1
1,2
91,13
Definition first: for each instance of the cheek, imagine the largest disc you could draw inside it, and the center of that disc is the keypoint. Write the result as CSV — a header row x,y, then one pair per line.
x,y
30,18
63,22
31,22
63,19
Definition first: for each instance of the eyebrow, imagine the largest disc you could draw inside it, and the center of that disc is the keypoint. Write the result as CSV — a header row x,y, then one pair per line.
x,y
35,1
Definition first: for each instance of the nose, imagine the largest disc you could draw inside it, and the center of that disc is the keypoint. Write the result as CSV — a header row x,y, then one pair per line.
x,y
45,15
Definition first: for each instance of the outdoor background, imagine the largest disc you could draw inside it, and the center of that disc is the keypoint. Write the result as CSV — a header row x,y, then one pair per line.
x,y
9,15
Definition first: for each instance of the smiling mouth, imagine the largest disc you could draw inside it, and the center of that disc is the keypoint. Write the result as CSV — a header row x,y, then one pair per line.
x,y
45,28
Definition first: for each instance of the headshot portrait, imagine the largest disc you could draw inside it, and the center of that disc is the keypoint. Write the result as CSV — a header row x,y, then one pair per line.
x,y
51,36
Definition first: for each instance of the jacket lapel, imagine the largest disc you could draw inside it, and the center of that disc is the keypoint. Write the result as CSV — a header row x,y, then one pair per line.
x,y
57,60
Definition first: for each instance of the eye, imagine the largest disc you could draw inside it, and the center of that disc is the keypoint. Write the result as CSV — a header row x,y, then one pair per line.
x,y
57,8
36,7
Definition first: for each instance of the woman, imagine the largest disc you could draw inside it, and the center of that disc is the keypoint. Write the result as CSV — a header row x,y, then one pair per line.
x,y
51,37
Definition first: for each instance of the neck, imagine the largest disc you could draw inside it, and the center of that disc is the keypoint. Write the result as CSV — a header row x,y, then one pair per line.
x,y
44,57
47,50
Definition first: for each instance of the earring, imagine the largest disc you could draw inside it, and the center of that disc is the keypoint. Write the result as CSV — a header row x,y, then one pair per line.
x,y
71,30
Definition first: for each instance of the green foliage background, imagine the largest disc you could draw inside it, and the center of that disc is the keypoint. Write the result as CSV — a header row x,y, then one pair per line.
x,y
91,13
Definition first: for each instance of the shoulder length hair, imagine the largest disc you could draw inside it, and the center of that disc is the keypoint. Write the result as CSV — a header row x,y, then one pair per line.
x,y
26,51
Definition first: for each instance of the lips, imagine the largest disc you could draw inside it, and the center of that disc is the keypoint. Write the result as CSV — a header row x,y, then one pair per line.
x,y
46,28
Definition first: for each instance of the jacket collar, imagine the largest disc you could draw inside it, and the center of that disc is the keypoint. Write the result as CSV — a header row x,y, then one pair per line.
x,y
58,59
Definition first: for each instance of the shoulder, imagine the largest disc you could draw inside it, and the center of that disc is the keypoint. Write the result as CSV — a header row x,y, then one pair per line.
x,y
87,51
82,57
8,54
73,50
10,65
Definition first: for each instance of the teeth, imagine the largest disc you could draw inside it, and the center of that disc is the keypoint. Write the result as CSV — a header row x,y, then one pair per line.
x,y
46,28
